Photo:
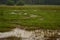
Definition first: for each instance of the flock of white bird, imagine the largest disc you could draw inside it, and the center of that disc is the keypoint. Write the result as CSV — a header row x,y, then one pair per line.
x,y
23,34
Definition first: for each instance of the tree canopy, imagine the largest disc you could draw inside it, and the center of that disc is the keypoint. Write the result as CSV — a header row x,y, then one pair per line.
x,y
30,2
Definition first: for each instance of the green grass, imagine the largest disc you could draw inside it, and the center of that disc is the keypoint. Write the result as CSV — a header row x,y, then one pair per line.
x,y
47,17
10,38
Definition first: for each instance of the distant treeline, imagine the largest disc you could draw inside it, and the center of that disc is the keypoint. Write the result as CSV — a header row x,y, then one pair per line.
x,y
29,2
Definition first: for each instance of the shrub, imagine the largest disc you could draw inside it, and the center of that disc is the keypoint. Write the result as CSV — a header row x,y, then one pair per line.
x,y
9,2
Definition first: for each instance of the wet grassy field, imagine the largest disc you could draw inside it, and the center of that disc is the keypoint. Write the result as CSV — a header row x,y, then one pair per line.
x,y
29,17
10,38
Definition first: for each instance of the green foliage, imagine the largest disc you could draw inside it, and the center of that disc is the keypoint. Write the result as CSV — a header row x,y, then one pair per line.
x,y
20,2
30,2
10,2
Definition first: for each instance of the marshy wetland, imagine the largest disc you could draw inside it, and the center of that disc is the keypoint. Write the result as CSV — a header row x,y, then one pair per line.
x,y
30,18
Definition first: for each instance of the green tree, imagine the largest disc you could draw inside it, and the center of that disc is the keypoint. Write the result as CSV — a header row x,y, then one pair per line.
x,y
20,2
10,2
2,2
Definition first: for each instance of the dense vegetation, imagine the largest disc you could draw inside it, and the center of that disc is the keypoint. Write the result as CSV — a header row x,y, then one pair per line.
x,y
11,2
29,17
30,2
